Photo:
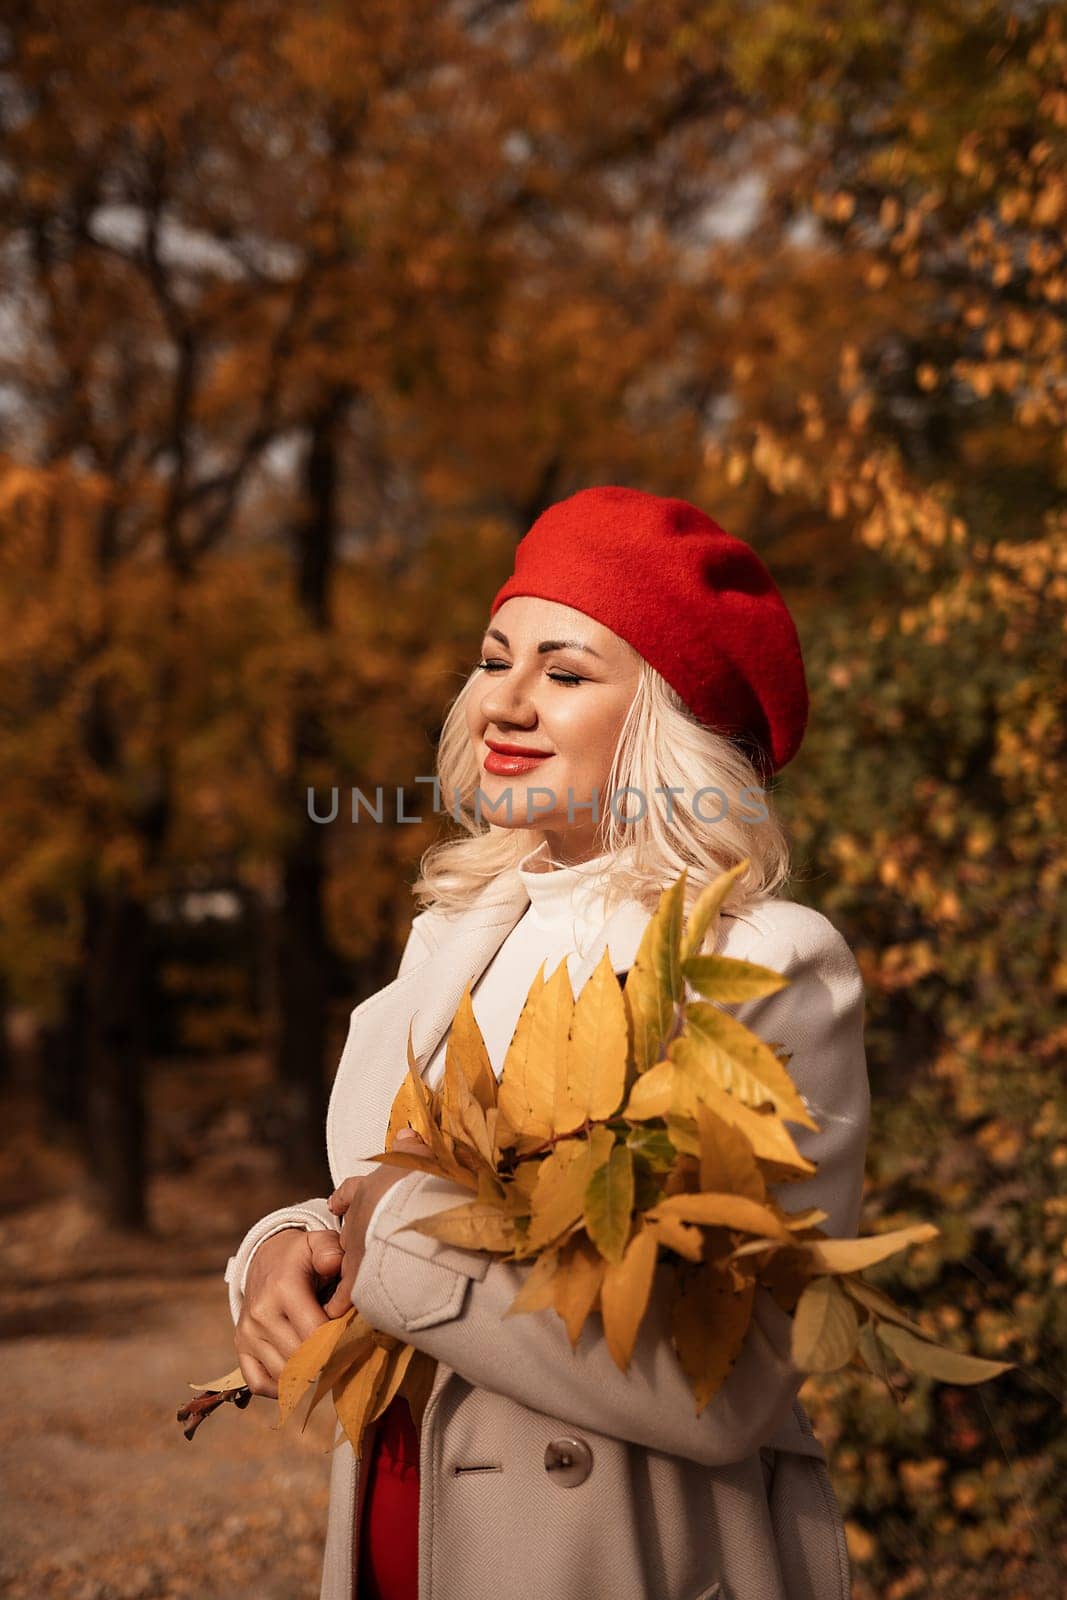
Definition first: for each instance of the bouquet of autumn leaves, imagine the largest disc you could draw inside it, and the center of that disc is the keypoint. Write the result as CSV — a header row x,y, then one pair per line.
x,y
628,1126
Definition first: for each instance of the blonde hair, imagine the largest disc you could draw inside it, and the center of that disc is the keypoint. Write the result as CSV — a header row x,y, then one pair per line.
x,y
661,745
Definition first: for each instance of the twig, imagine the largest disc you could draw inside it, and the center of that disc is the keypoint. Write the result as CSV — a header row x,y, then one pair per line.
x,y
193,1412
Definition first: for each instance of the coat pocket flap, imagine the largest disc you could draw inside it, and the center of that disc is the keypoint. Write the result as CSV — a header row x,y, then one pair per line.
x,y
424,1197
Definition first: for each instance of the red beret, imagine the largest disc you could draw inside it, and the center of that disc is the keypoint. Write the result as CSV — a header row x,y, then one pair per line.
x,y
698,604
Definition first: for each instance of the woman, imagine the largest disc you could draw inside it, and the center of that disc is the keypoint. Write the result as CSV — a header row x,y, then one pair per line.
x,y
640,678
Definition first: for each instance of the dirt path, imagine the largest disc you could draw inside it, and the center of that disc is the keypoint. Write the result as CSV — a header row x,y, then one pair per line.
x,y
101,1495
105,1499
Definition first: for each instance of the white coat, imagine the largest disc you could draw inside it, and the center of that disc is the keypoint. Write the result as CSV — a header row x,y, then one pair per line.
x,y
658,1503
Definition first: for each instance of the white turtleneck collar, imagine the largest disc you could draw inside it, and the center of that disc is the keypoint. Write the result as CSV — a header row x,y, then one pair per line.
x,y
566,915
562,898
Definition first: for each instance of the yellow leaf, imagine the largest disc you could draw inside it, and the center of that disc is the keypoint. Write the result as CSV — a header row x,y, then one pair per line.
x,y
765,1131
796,1224
852,1255
466,1049
810,1217
874,1300
422,1119
403,1112
466,1113
536,1293
558,1198
596,1054
723,1211
356,1393
232,1380
717,1046
729,981
625,1291
353,1347
450,1123
526,1176
682,1130
705,906
652,1095
709,1321
394,1377
825,1327
871,1351
424,1107
655,986
474,1225
559,1192
412,1161
306,1362
609,1203
677,1235
947,1366
547,1058
518,1104
577,1284
492,1122
491,1190
727,1161
417,1384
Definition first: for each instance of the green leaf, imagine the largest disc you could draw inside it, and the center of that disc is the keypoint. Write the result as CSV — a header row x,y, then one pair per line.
x,y
655,987
609,1201
729,981
655,1145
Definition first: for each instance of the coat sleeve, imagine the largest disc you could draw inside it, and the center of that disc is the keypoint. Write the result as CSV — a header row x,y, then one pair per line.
x,y
451,1302
313,1213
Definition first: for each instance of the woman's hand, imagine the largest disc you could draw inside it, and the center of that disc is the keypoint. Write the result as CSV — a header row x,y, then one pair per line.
x,y
354,1200
281,1301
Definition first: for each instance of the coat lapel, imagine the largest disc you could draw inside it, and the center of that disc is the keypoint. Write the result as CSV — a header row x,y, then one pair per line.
x,y
462,956
374,1062
466,953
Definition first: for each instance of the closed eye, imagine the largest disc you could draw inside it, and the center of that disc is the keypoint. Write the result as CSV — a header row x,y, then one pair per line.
x,y
570,679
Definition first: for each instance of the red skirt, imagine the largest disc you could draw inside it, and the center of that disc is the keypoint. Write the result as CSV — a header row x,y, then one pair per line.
x,y
388,1562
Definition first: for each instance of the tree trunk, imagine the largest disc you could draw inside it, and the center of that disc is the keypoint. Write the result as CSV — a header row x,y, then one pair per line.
x,y
303,979
63,1055
117,937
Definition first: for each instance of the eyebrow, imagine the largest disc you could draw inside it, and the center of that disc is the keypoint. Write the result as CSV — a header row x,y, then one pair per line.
x,y
547,645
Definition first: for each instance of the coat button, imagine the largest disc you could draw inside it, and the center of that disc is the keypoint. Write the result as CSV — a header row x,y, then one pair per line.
x,y
570,1461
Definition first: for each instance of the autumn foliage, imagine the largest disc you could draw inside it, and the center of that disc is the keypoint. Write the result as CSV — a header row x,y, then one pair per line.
x,y
311,309
628,1129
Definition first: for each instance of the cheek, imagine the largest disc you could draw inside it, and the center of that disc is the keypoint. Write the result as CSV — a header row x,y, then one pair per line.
x,y
589,732
475,720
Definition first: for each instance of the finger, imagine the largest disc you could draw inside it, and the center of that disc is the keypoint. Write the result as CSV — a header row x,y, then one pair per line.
x,y
327,1253
335,1306
301,1312
341,1299
257,1377
343,1196
276,1335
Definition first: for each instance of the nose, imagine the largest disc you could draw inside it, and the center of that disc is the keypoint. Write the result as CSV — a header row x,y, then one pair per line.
x,y
507,702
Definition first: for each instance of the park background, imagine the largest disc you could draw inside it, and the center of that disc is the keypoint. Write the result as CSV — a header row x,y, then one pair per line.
x,y
307,310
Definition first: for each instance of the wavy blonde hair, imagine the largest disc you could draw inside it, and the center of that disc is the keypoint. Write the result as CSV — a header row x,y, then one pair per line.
x,y
661,745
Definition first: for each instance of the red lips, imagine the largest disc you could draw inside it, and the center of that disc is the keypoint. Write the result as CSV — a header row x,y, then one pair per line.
x,y
512,760
515,749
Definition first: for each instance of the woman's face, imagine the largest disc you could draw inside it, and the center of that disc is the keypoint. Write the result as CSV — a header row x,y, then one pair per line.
x,y
558,684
